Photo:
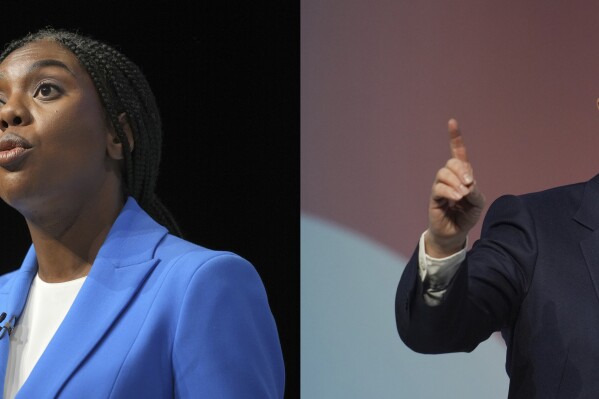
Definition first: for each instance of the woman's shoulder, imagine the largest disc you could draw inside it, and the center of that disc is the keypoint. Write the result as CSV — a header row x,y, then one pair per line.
x,y
189,259
188,271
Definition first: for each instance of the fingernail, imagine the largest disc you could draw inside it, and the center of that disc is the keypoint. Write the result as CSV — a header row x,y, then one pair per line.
x,y
467,178
457,196
464,190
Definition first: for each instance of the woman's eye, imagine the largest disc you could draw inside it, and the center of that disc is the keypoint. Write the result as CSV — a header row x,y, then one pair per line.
x,y
47,91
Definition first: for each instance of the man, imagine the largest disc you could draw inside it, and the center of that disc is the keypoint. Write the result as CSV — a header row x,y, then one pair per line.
x,y
533,275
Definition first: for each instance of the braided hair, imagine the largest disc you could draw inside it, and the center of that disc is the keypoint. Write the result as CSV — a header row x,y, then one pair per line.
x,y
122,88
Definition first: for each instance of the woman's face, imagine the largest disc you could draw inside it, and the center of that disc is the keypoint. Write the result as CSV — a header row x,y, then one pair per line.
x,y
54,134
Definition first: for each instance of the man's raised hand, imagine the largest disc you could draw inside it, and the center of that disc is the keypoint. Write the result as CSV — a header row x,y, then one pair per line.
x,y
456,203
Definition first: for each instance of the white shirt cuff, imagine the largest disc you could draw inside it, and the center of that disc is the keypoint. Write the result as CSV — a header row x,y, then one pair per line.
x,y
437,272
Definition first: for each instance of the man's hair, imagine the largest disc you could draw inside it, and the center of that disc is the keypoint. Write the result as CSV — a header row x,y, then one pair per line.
x,y
122,88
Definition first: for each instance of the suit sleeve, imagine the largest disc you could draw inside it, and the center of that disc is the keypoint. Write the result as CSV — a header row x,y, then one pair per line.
x,y
485,294
226,343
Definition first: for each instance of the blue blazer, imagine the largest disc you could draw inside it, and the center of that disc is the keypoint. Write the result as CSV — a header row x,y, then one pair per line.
x,y
533,275
157,317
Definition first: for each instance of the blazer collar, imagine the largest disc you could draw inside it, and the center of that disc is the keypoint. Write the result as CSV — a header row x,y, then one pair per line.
x,y
588,216
125,259
588,212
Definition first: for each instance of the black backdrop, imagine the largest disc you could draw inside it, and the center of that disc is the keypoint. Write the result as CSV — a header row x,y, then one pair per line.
x,y
226,78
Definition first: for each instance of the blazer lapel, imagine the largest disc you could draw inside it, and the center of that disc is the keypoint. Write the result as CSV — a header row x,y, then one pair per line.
x,y
15,296
588,216
590,250
121,267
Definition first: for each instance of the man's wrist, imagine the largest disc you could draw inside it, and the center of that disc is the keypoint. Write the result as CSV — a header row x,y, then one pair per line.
x,y
437,248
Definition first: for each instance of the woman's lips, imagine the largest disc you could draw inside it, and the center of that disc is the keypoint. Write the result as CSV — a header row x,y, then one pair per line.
x,y
8,157
13,148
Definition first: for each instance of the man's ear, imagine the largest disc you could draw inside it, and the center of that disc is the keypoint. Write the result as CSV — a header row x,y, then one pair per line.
x,y
114,147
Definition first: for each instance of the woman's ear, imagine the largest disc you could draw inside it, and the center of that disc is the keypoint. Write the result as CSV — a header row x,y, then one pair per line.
x,y
114,147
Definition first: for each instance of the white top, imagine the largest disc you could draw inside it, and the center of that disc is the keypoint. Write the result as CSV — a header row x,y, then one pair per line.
x,y
47,305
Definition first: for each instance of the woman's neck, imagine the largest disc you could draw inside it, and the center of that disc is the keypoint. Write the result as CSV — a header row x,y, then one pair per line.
x,y
68,238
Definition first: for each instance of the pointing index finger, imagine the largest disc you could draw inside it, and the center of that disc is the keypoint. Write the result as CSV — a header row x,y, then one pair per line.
x,y
456,143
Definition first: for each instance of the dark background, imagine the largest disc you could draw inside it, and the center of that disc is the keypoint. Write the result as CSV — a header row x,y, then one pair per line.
x,y
226,78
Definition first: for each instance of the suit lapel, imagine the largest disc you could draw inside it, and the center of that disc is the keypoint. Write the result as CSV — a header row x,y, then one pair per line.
x,y
588,216
14,297
120,269
98,305
590,250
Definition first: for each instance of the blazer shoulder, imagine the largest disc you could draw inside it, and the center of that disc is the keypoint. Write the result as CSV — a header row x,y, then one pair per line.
x,y
564,198
176,247
188,257
575,190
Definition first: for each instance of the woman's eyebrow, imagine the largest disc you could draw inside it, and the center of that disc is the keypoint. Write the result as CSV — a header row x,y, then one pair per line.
x,y
48,63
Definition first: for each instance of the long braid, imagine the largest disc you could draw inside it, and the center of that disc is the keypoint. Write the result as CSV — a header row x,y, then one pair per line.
x,y
122,88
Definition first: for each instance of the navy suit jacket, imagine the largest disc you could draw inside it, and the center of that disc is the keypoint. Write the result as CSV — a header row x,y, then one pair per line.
x,y
157,317
534,276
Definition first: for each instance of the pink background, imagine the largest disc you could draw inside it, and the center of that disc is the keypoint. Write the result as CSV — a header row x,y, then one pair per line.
x,y
380,79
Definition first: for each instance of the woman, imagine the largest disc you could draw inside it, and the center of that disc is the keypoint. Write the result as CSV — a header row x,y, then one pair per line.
x,y
107,303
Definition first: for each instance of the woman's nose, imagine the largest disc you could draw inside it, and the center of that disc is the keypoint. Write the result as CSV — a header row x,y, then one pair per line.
x,y
15,121
13,113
